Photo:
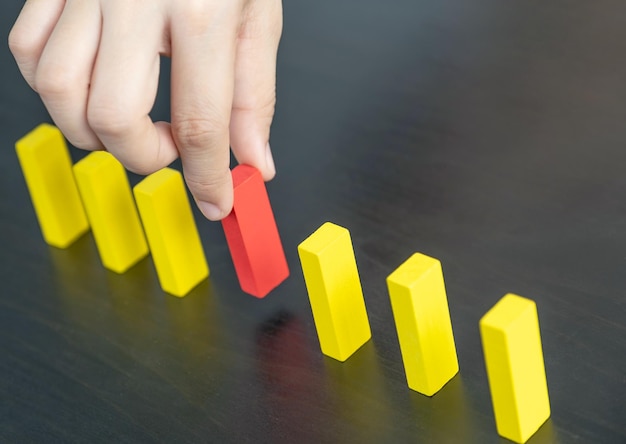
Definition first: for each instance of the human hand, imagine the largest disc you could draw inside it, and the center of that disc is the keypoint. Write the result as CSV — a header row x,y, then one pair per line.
x,y
95,64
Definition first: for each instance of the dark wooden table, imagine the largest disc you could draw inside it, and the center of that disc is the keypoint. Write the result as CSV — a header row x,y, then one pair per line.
x,y
490,134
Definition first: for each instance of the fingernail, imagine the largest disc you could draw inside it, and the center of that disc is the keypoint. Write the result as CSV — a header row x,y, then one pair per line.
x,y
269,160
210,211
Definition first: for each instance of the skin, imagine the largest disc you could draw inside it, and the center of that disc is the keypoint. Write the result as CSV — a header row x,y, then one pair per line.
x,y
95,64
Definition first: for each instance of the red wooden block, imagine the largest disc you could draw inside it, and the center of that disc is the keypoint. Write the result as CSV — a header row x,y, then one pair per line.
x,y
252,235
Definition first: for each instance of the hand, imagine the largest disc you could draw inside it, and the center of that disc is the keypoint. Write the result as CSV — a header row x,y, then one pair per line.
x,y
95,64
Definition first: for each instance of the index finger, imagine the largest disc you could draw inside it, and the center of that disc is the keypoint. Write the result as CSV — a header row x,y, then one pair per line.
x,y
203,64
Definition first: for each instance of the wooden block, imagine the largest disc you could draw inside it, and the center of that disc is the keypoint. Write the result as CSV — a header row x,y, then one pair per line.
x,y
47,168
111,210
334,288
171,231
420,309
514,360
252,235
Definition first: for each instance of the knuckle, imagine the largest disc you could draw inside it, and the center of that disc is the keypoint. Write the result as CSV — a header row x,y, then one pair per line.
x,y
262,107
199,133
262,22
267,105
54,81
108,120
21,43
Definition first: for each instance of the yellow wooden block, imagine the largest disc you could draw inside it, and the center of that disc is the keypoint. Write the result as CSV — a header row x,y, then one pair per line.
x,y
334,288
111,210
171,231
47,168
420,309
514,360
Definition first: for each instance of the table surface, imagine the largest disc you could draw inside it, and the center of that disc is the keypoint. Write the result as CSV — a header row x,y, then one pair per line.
x,y
489,134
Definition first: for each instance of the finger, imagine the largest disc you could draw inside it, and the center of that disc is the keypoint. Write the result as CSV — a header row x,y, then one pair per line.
x,y
30,33
203,60
64,71
124,85
255,85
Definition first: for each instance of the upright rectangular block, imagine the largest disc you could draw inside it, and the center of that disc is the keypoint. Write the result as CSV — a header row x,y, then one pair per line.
x,y
334,288
252,235
514,360
171,231
420,309
47,168
111,210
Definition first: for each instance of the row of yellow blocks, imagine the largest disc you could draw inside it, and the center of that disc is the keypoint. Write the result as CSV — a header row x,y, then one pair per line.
x,y
95,192
510,330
